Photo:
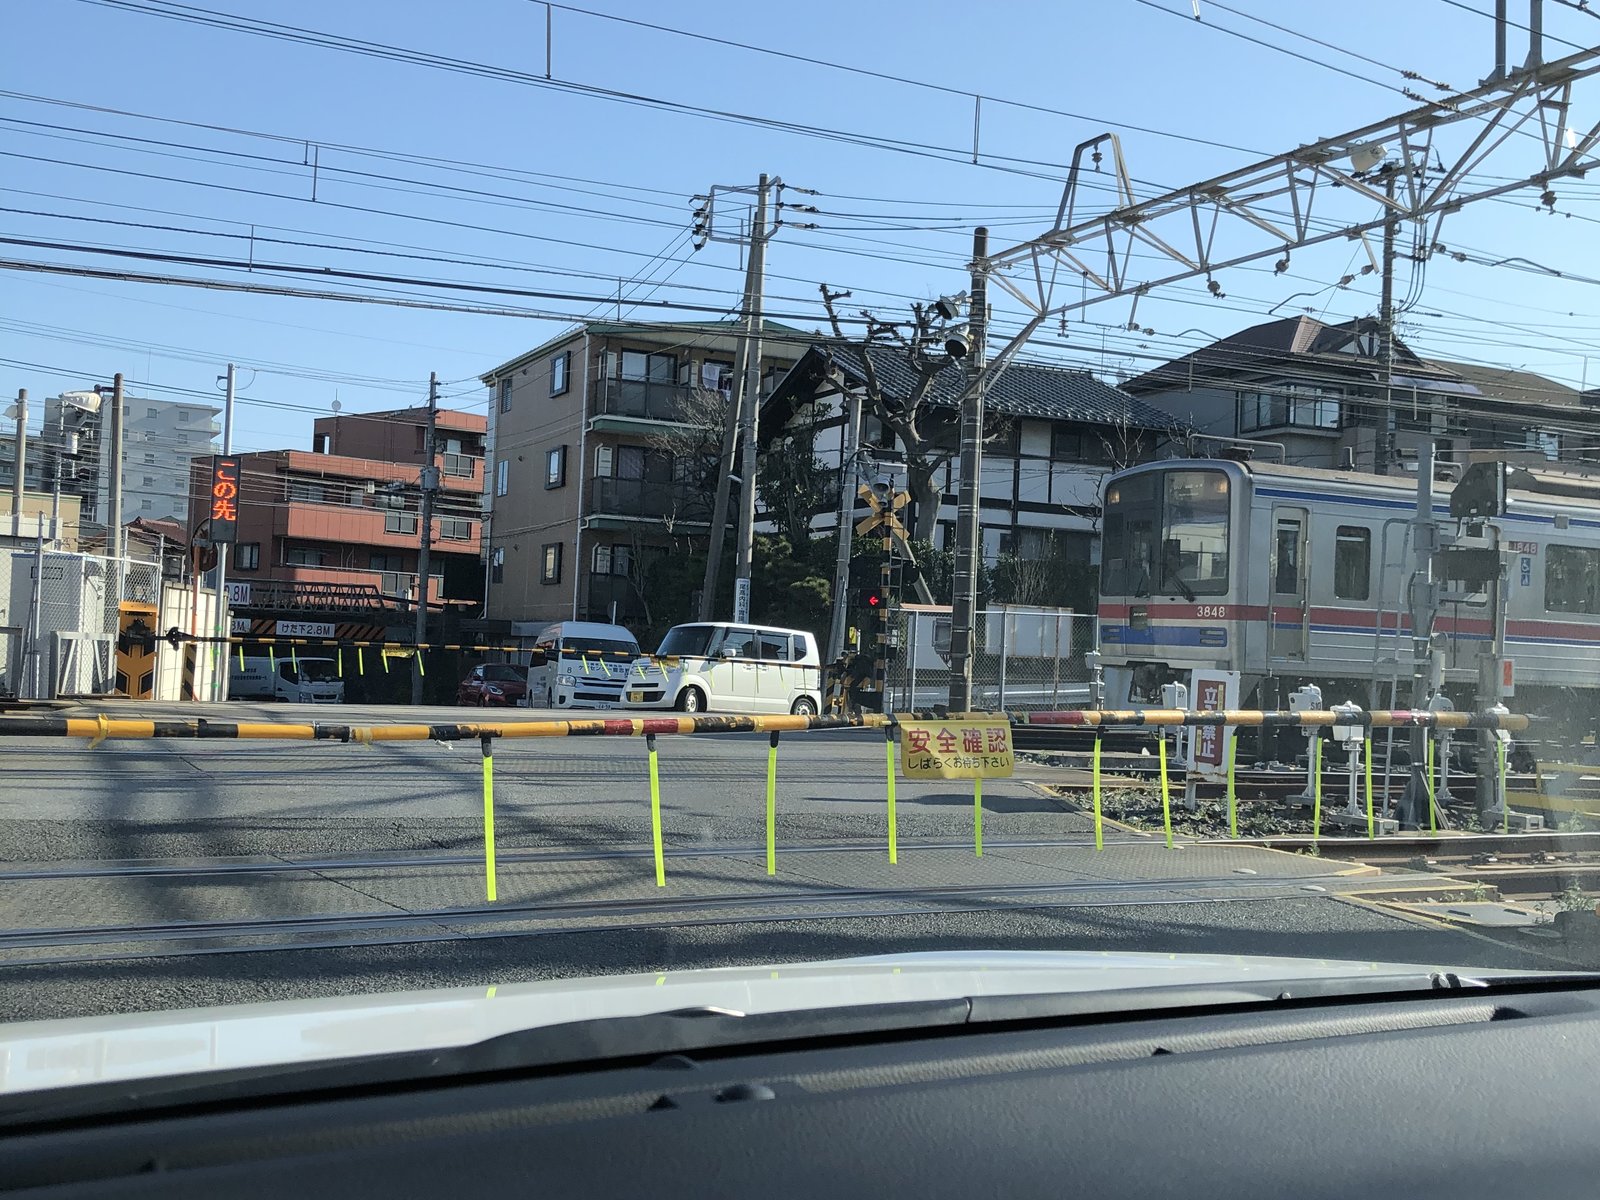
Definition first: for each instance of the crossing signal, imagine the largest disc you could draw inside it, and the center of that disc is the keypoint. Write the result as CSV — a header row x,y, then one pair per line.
x,y
871,599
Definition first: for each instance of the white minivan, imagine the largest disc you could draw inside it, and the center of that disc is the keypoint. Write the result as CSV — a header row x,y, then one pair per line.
x,y
298,680
580,664
723,667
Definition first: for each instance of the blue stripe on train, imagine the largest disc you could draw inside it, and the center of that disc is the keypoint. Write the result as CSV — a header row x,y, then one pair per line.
x,y
1164,635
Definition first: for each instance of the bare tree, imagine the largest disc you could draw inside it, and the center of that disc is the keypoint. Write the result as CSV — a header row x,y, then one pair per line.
x,y
922,427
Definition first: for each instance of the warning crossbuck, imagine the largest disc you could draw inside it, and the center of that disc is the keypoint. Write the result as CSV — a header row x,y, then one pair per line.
x,y
956,749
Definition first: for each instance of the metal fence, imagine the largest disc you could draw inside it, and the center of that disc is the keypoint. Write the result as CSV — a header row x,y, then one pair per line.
x,y
59,625
1025,659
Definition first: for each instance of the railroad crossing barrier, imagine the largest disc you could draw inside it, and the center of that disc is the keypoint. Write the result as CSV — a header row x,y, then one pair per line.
x,y
971,765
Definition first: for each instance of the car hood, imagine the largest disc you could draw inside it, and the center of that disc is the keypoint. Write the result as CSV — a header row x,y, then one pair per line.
x,y
59,1053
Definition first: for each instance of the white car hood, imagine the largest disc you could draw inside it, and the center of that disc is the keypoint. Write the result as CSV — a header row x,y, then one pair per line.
x,y
59,1053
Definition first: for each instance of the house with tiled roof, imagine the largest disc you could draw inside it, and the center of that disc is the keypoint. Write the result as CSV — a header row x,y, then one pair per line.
x,y
1325,395
1051,435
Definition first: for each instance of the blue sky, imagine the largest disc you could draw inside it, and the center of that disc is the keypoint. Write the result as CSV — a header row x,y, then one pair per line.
x,y
558,191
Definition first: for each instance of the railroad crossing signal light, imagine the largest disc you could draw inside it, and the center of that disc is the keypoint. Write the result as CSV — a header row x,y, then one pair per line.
x,y
872,599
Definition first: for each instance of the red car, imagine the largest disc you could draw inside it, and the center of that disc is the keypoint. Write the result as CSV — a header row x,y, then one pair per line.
x,y
493,685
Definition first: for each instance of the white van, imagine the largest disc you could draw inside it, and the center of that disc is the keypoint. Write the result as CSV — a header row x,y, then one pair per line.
x,y
580,664
731,668
298,680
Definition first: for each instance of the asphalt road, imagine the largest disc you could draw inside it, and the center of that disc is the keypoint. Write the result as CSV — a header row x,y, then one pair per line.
x,y
576,883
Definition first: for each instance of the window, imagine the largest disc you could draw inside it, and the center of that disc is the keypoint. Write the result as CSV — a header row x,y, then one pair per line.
x,y
184,415
1293,405
399,521
183,438
311,492
550,570
691,640
505,395
302,556
149,456
146,504
152,412
502,477
774,647
559,365
149,481
736,643
613,560
1572,579
379,561
455,529
247,556
1181,514
457,465
555,467
1352,562
639,367
1073,445
1286,554
603,457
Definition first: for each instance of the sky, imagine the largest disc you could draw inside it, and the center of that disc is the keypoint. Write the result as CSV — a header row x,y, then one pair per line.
x,y
222,154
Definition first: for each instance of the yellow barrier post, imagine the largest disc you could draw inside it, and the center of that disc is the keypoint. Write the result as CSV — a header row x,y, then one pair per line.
x,y
421,670
340,667
1505,800
894,837
772,804
1433,807
1233,793
1316,789
977,817
361,661
488,815
1099,838
294,659
1166,792
272,657
1366,751
655,811
241,656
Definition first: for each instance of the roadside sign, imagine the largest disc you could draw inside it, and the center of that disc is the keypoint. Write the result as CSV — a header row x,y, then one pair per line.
x,y
239,625
1508,677
956,749
224,499
1214,691
238,593
305,629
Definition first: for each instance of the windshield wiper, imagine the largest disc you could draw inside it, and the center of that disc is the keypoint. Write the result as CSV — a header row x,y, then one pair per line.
x,y
1175,577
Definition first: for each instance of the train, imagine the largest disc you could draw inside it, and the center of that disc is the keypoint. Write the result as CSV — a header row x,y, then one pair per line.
x,y
1287,575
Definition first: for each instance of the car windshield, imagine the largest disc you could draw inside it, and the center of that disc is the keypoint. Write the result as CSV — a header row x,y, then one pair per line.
x,y
687,639
712,485
614,649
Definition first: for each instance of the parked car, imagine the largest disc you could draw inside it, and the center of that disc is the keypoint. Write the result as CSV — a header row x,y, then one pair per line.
x,y
719,667
492,685
580,664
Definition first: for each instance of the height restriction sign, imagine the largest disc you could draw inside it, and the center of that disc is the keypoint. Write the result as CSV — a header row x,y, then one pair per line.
x,y
224,499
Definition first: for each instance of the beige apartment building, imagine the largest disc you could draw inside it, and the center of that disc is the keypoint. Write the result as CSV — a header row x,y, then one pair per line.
x,y
584,484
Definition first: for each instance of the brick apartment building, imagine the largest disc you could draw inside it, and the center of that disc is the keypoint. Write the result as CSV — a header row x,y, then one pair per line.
x,y
346,512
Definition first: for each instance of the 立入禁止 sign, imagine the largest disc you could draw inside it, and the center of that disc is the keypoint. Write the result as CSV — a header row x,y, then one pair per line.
x,y
956,749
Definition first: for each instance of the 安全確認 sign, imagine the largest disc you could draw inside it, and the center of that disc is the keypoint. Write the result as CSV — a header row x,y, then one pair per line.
x,y
956,749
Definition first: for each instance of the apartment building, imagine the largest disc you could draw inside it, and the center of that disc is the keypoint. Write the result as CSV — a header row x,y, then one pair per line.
x,y
584,479
159,438
347,512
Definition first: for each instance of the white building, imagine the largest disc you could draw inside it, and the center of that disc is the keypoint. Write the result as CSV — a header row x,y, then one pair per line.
x,y
158,439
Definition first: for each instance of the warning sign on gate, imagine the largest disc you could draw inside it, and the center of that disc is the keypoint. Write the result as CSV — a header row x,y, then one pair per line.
x,y
956,749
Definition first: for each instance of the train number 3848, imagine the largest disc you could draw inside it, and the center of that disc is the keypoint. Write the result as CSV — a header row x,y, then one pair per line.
x,y
1216,611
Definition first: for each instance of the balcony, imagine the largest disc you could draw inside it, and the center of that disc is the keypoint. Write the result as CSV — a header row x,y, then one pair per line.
x,y
619,404
393,529
623,503
461,472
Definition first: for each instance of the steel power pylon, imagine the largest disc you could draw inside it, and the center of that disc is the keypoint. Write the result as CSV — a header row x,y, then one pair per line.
x,y
1512,132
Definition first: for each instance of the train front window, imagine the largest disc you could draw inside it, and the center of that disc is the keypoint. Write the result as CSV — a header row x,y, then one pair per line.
x,y
1194,534
1128,552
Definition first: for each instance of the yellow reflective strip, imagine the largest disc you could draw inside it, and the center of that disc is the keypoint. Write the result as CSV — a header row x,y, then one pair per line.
x,y
772,806
1366,747
977,817
1166,793
894,835
655,815
1233,792
488,826
1099,839
1316,789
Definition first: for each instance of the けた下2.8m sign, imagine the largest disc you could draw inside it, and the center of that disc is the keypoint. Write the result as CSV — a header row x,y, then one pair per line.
x,y
224,499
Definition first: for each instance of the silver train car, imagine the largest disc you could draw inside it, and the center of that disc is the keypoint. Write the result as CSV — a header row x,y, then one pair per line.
x,y
1294,575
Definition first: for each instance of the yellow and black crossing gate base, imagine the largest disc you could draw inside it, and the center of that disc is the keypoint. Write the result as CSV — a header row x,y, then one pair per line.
x,y
136,650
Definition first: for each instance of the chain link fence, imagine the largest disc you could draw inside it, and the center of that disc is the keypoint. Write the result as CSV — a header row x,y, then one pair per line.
x,y
1024,658
59,625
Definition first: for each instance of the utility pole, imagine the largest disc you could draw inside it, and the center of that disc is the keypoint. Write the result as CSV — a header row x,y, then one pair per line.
x,y
21,462
750,410
1385,449
848,451
219,670
969,537
719,506
430,482
114,541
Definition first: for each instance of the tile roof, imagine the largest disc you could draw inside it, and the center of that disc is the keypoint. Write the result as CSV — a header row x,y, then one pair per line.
x,y
1021,390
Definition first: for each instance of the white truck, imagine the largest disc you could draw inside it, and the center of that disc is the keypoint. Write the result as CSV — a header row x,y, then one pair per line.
x,y
297,680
